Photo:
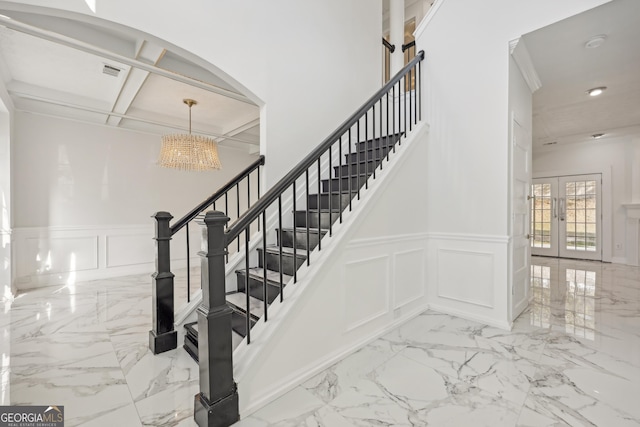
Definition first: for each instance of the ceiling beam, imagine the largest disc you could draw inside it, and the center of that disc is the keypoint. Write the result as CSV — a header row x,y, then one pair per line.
x,y
134,80
85,47
128,117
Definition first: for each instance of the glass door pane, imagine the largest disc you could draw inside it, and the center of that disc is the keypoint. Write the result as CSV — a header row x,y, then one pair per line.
x,y
580,217
544,217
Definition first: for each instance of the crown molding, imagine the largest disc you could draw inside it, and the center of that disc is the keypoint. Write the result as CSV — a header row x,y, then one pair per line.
x,y
520,53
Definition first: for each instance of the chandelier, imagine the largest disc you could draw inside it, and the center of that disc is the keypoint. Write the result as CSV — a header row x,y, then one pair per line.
x,y
189,152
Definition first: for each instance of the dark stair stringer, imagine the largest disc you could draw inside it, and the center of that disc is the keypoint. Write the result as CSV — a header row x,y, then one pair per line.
x,y
335,196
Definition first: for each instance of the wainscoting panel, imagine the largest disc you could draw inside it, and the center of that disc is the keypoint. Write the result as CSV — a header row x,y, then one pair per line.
x,y
466,276
45,256
366,291
409,279
129,249
60,254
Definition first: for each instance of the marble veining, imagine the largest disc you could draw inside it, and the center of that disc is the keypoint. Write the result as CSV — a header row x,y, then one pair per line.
x,y
571,359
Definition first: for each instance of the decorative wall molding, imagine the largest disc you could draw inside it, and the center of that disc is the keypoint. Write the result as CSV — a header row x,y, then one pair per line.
x,y
468,276
366,290
471,282
409,279
428,17
480,238
385,240
47,256
520,53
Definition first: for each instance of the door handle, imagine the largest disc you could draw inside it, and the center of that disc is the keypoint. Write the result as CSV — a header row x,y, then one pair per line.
x,y
554,207
562,208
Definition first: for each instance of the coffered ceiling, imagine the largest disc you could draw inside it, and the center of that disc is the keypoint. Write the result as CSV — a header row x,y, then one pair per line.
x,y
118,78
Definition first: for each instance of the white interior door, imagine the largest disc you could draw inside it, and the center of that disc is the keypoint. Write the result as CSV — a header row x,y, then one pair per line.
x,y
566,218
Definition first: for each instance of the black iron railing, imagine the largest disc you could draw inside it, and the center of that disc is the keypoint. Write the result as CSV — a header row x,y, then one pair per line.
x,y
163,336
409,51
376,128
387,50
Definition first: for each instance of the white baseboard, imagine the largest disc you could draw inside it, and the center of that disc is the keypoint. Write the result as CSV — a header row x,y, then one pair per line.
x,y
471,316
619,260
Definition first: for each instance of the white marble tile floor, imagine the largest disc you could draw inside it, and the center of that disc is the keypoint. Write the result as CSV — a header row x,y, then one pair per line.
x,y
572,358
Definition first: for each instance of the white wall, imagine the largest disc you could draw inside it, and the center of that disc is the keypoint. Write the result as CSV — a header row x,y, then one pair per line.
x,y
370,277
466,100
84,195
310,64
68,173
614,159
6,261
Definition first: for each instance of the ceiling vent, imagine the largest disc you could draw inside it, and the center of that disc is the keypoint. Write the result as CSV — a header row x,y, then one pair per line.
x,y
111,70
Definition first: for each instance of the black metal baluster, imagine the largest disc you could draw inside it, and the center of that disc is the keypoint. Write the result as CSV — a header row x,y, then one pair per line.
x,y
420,92
410,112
246,282
374,153
226,213
188,266
394,116
379,146
348,177
387,140
248,191
295,261
307,216
405,105
350,169
258,172
320,205
295,233
264,262
330,193
366,151
238,208
358,154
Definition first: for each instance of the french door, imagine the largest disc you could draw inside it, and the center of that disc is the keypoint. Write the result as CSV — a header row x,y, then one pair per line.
x,y
566,218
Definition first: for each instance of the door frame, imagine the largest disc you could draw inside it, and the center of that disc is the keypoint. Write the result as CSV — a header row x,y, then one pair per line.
x,y
606,201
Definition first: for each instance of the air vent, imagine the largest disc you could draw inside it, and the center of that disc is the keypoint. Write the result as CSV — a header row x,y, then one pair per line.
x,y
111,70
550,143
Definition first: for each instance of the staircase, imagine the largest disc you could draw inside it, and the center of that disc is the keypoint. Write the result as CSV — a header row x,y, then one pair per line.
x,y
322,210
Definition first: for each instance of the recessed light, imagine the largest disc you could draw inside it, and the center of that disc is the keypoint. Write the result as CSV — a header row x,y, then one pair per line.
x,y
597,135
595,41
596,91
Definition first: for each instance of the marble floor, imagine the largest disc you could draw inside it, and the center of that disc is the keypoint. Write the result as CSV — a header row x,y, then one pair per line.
x,y
572,358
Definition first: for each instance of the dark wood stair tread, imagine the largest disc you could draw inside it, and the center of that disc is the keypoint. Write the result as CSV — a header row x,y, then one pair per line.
x,y
239,301
273,276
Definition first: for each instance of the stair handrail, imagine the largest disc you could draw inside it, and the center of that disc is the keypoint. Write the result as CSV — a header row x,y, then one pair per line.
x,y
217,402
389,46
163,336
285,182
217,195
409,45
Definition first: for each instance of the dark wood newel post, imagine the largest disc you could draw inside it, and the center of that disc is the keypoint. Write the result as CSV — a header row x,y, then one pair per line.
x,y
162,337
217,403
